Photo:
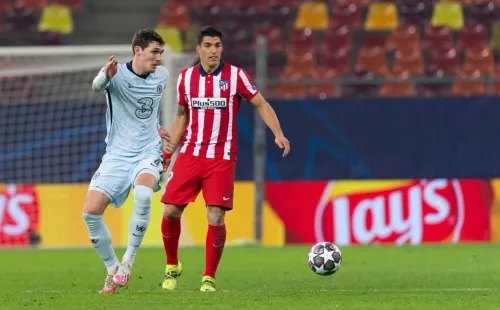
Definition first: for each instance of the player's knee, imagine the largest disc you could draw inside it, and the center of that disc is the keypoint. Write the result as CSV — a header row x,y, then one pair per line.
x,y
172,212
215,215
143,196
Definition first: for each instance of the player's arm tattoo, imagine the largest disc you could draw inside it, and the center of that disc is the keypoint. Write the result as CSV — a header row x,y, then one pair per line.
x,y
180,111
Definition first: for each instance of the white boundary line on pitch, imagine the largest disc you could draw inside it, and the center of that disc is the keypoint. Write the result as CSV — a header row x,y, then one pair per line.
x,y
395,290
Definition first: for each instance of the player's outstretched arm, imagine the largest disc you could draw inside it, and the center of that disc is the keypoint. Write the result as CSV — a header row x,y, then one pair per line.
x,y
269,117
103,78
178,127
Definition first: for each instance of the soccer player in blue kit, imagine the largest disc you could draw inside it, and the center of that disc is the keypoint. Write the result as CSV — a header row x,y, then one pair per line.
x,y
133,157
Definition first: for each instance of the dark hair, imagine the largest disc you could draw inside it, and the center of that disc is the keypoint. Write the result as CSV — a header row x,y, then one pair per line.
x,y
143,37
208,31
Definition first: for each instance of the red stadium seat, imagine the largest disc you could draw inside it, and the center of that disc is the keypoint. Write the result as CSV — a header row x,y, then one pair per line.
x,y
372,59
5,5
348,15
335,62
321,91
479,58
404,35
468,89
73,4
471,35
217,3
409,62
337,37
31,4
174,16
273,35
445,60
396,89
288,91
437,37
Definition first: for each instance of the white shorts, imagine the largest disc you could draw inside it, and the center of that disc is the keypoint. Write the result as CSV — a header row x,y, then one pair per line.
x,y
117,174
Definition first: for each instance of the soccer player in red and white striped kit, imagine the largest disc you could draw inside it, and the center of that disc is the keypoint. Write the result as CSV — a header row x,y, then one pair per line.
x,y
209,97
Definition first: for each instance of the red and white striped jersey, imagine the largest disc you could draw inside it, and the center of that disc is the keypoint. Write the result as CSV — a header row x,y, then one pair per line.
x,y
213,100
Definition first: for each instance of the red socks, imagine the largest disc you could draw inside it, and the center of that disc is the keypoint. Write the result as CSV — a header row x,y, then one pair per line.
x,y
216,238
171,231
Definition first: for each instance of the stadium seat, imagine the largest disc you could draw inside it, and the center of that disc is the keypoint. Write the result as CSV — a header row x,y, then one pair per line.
x,y
251,12
297,71
289,3
48,38
174,16
479,58
409,61
437,37
31,4
396,89
373,60
337,62
358,3
257,5
382,16
273,35
73,4
313,15
5,5
56,18
483,12
321,91
495,36
472,34
444,60
216,3
375,40
403,35
288,91
366,88
448,14
337,37
172,37
468,89
415,11
301,40
1,24
20,20
349,16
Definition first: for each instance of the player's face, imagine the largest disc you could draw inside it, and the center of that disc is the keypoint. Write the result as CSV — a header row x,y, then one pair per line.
x,y
150,57
210,51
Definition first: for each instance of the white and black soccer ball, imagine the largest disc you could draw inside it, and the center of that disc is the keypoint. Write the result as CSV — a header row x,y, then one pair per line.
x,y
325,258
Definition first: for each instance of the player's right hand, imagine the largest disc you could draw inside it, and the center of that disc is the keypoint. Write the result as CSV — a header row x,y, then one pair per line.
x,y
111,67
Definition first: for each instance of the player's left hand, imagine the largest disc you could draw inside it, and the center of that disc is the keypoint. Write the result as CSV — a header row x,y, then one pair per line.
x,y
166,163
283,143
164,134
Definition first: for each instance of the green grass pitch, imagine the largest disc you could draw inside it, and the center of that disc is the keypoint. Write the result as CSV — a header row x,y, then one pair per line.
x,y
454,277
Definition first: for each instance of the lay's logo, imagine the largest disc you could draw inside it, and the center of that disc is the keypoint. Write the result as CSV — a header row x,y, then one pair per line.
x,y
402,213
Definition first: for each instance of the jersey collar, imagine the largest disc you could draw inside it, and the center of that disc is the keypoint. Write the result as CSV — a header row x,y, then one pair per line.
x,y
129,67
216,72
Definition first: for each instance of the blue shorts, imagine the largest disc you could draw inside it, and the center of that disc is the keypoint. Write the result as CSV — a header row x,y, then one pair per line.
x,y
117,174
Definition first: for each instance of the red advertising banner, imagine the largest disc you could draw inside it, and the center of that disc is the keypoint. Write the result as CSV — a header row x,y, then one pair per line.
x,y
369,212
19,214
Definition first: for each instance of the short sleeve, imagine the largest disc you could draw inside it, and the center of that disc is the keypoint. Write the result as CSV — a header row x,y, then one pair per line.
x,y
181,93
245,86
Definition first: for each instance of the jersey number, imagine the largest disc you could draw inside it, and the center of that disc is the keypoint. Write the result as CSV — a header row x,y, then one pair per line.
x,y
146,108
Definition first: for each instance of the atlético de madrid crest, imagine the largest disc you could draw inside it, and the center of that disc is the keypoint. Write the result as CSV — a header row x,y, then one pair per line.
x,y
224,84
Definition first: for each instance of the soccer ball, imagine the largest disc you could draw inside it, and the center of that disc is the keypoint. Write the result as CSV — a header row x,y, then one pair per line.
x,y
325,258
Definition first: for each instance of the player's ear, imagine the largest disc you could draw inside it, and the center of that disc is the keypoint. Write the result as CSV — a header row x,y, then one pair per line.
x,y
137,49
